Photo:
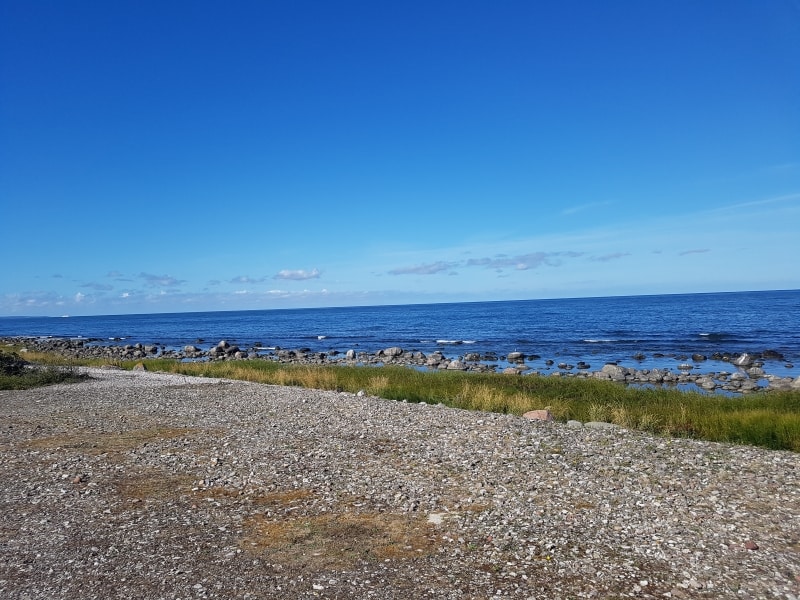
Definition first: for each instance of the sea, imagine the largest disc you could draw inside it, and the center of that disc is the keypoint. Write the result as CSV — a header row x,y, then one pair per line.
x,y
653,331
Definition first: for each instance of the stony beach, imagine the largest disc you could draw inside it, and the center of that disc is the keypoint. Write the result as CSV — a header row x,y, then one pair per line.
x,y
146,485
742,372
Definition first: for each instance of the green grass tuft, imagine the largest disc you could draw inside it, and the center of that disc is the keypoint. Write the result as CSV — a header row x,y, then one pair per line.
x,y
19,374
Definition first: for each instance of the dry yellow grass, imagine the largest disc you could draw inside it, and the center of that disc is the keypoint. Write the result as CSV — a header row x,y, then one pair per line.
x,y
377,385
485,397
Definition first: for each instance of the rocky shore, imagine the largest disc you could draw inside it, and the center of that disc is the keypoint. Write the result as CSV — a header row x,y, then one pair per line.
x,y
145,485
746,374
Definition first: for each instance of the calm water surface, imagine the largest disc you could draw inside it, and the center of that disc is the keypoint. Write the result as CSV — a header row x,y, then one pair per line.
x,y
596,330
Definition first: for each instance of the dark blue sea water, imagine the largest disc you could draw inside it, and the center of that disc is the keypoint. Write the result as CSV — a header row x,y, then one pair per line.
x,y
595,330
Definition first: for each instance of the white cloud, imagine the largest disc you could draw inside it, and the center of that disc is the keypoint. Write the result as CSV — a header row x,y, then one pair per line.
x,y
523,262
160,280
298,275
427,269
732,208
611,256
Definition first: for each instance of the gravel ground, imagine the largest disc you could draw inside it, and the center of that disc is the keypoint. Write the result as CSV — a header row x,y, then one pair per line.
x,y
140,485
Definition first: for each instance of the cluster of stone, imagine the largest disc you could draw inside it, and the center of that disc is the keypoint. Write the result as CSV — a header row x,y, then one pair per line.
x,y
749,380
748,374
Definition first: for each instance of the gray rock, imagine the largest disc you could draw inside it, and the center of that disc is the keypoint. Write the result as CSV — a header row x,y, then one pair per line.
x,y
600,425
745,360
706,383
434,359
515,356
613,372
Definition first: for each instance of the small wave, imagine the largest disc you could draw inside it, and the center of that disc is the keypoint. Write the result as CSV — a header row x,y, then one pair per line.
x,y
714,336
470,342
611,341
453,342
321,337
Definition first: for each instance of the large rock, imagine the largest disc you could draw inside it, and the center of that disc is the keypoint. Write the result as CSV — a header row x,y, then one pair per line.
x,y
434,359
707,383
539,415
515,357
613,372
391,352
745,360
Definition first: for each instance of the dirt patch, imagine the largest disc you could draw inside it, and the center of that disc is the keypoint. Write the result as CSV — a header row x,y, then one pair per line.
x,y
100,443
153,486
339,541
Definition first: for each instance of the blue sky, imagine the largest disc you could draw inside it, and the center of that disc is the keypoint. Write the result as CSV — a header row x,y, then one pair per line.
x,y
181,156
